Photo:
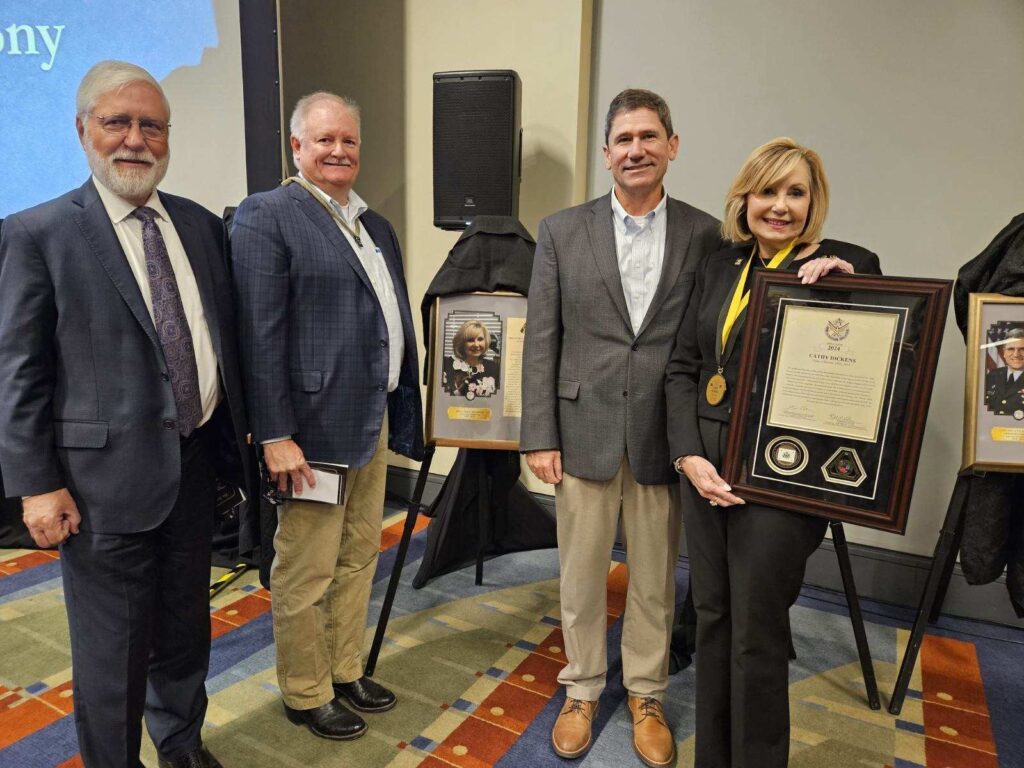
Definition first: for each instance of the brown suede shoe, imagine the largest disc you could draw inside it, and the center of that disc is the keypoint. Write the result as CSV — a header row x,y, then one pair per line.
x,y
571,735
652,739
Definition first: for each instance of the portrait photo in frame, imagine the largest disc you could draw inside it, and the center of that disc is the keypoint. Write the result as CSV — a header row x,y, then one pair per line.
x,y
474,392
994,387
834,386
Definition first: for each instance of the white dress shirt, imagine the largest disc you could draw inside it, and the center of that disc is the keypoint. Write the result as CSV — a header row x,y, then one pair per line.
x,y
372,259
129,234
640,246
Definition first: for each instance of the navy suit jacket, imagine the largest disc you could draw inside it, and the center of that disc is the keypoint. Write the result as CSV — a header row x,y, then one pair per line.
x,y
314,340
85,403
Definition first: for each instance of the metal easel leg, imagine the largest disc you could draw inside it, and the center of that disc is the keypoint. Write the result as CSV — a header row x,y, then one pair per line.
x,y
938,579
483,517
396,569
856,618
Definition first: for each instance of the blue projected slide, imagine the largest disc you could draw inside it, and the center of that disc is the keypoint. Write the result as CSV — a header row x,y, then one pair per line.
x,y
46,47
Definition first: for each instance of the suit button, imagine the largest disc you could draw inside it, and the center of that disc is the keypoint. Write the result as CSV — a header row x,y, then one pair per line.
x,y
380,387
635,347
169,424
625,393
164,376
383,342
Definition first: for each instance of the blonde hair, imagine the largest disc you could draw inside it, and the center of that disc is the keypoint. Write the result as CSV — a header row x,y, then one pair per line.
x,y
462,336
767,165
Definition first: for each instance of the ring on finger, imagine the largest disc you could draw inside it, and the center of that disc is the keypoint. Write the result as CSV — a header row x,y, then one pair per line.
x,y
712,502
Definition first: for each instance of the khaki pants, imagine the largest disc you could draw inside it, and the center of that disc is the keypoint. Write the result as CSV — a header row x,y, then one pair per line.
x,y
588,513
320,584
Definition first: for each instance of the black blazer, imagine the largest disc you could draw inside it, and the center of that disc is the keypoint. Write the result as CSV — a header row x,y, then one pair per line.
x,y
693,359
1001,396
457,382
85,401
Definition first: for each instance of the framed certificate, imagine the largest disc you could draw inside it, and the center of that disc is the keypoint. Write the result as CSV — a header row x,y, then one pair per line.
x,y
994,391
474,392
834,385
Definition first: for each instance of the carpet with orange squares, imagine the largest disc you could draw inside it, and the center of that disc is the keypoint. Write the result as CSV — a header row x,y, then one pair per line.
x,y
475,670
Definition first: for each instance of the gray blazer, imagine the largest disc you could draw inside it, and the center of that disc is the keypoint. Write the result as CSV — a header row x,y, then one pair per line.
x,y
592,388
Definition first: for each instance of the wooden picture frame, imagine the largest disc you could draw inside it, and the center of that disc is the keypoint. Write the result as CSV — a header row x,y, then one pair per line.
x,y
993,401
476,402
833,392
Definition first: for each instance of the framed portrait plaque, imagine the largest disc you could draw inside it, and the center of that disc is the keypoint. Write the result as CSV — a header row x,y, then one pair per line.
x,y
994,391
834,385
474,392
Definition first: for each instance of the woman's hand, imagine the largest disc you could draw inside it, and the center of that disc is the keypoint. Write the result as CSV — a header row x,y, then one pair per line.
x,y
704,477
814,269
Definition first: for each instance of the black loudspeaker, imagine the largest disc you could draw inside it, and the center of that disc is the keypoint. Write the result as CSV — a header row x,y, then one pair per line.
x,y
477,145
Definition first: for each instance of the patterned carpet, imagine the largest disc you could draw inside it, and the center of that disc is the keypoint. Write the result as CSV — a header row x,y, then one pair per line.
x,y
475,670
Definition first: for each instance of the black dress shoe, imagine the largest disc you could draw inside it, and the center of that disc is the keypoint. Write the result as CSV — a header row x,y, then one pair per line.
x,y
197,758
366,695
331,721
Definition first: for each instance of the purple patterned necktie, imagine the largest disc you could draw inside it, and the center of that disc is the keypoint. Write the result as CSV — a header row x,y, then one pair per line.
x,y
171,325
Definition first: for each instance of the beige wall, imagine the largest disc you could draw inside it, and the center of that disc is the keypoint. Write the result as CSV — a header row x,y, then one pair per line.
x,y
914,107
548,44
208,137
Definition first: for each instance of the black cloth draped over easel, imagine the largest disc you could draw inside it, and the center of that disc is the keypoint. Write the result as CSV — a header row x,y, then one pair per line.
x,y
993,538
494,254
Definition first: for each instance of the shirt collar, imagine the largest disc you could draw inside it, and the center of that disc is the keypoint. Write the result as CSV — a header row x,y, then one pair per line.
x,y
119,209
356,205
628,221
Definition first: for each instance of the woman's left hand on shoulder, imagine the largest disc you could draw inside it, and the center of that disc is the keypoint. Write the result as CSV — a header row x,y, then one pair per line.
x,y
814,269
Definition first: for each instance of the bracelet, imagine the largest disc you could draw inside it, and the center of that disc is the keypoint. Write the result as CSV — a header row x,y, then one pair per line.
x,y
677,465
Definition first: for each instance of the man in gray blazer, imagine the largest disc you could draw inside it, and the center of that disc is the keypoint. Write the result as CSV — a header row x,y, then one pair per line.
x,y
611,280
120,381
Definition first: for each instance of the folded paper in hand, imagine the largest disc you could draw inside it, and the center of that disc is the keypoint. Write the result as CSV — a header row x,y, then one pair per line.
x,y
330,484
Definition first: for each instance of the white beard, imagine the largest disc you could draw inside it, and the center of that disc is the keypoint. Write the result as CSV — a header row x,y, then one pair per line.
x,y
129,183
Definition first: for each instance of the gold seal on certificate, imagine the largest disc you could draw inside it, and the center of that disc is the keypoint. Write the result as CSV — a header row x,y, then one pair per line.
x,y
715,391
832,371
786,455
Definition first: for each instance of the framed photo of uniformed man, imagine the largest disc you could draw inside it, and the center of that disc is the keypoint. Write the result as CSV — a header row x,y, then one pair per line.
x,y
834,386
994,391
475,370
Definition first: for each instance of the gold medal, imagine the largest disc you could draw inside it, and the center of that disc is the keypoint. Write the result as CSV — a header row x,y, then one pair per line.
x,y
715,391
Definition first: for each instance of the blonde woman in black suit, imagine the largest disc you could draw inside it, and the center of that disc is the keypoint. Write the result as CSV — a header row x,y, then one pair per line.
x,y
746,560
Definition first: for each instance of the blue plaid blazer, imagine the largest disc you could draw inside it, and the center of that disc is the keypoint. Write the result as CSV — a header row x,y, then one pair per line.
x,y
313,336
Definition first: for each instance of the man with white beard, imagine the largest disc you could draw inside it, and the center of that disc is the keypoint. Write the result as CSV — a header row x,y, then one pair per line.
x,y
121,403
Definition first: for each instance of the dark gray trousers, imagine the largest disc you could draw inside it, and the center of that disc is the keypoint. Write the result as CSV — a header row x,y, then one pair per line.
x,y
138,611
746,568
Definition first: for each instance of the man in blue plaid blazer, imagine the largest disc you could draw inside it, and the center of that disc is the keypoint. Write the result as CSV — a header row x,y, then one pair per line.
x,y
329,361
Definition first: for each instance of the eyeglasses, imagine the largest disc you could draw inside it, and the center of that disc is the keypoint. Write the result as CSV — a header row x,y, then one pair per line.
x,y
119,125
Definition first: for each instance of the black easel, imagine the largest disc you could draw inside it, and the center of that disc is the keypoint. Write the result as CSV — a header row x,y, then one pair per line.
x,y
403,548
943,560
856,618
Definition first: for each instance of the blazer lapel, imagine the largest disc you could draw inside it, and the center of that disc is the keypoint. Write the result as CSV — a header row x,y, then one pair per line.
x,y
602,246
323,221
198,258
97,231
382,239
678,231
